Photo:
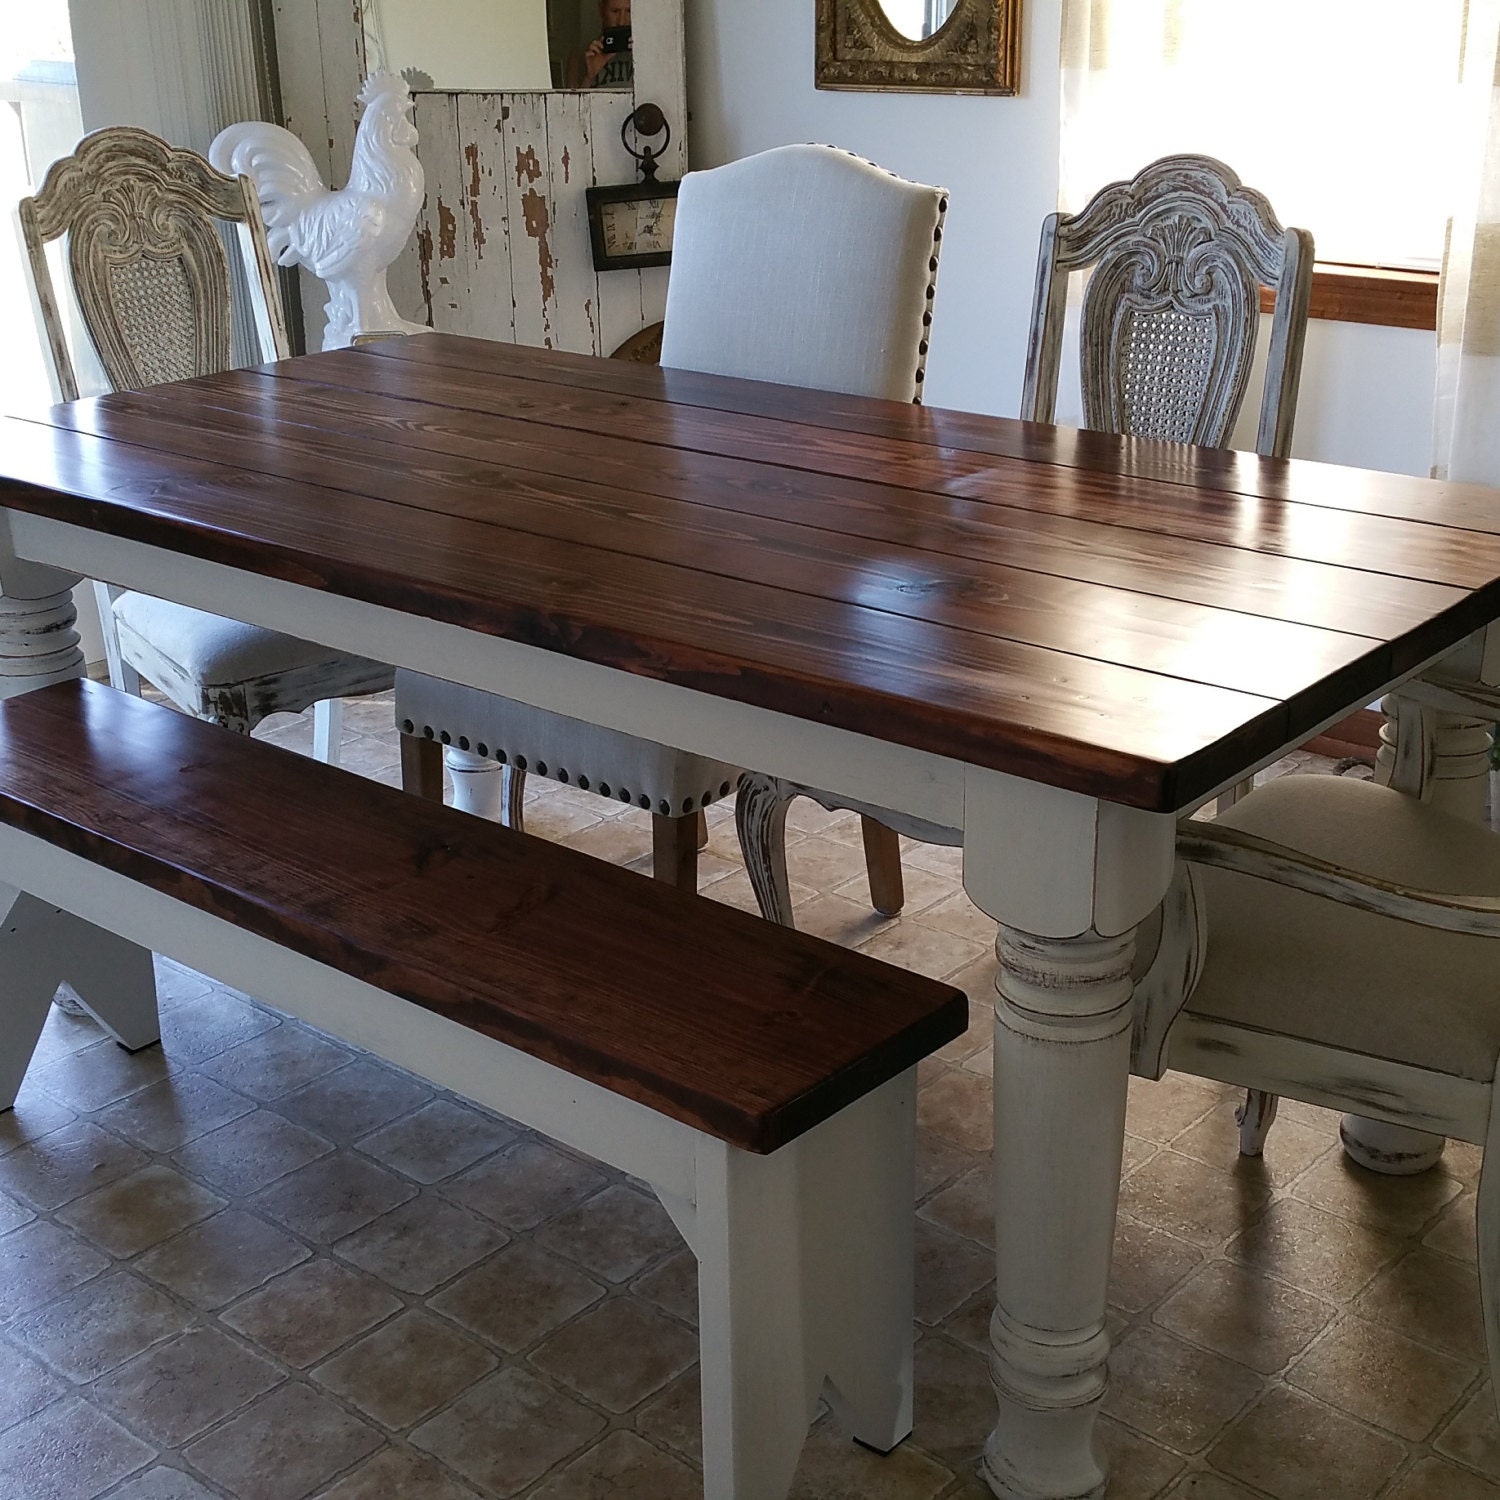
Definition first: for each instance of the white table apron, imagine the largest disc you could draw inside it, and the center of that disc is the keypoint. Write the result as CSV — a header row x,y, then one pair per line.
x,y
1068,878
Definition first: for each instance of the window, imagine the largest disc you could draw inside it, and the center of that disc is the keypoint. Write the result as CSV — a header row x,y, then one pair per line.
x,y
1343,112
39,121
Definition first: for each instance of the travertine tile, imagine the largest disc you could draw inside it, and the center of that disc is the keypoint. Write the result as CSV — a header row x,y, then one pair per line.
x,y
673,1287
1317,1251
71,1449
967,1207
518,1296
140,1211
180,1108
1173,1391
1160,1110
1204,1485
617,1354
622,1467
1138,1468
1194,1201
507,1431
675,1417
1432,1479
67,1163
1290,1148
1431,1298
1251,1318
421,1244
100,1326
1454,1232
332,1197
438,1140
33,1115
41,1261
28,1387
1392,1205
615,1234
833,1467
405,1370
222,1258
925,950
396,1474
1473,1436
353,1100
1295,1448
957,1405
307,1313
957,1106
193,1033
837,919
275,1064
1381,1377
525,1185
940,1161
99,1075
163,1484
288,1443
250,1152
173,1392
1148,1263
949,1270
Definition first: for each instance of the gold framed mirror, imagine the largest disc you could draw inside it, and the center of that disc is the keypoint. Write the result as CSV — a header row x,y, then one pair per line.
x,y
919,46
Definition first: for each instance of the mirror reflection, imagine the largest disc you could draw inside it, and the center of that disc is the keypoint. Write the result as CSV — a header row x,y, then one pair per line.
x,y
495,45
918,19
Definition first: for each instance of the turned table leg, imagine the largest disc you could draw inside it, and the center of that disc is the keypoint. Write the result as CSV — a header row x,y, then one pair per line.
x,y
1062,1058
38,641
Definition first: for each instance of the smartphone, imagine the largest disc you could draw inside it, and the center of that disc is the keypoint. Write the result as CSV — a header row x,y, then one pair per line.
x,y
616,39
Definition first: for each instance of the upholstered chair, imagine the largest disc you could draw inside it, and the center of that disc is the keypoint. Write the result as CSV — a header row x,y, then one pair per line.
x,y
805,266
1178,257
1335,941
151,282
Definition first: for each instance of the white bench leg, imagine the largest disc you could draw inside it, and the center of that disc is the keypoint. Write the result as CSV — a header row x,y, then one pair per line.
x,y
40,947
805,1267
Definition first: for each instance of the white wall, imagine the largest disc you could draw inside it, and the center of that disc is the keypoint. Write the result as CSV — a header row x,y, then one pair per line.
x,y
1366,393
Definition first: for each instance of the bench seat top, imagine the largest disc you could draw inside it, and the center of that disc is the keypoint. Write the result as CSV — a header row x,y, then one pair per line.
x,y
747,1031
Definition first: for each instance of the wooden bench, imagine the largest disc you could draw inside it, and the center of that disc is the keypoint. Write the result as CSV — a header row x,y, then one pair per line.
x,y
762,1081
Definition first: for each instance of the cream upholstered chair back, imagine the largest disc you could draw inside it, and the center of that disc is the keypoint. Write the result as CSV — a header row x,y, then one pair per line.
x,y
1178,256
147,264
806,266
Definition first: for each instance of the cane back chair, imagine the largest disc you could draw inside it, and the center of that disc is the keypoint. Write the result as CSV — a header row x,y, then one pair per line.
x,y
1170,316
150,279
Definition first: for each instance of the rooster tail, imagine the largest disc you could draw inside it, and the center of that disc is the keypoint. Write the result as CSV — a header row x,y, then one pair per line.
x,y
287,181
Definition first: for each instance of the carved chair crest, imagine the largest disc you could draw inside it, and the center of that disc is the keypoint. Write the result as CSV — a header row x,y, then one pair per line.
x,y
1171,312
147,263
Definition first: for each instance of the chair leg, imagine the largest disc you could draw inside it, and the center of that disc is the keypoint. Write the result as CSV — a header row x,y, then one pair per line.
x,y
328,730
702,829
422,767
674,851
760,820
477,783
512,798
1227,798
883,865
1255,1116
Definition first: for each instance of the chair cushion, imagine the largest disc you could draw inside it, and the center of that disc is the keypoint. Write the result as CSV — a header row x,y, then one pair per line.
x,y
803,265
606,761
212,650
1307,967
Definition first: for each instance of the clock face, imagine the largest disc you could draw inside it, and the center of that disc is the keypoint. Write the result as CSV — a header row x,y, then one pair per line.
x,y
640,226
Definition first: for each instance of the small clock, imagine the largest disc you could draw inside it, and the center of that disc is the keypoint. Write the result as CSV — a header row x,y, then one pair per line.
x,y
631,225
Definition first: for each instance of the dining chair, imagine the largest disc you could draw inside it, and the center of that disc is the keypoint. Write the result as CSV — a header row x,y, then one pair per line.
x,y
803,265
1177,258
1333,940
144,225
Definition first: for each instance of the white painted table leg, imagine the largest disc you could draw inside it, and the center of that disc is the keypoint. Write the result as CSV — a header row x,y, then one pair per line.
x,y
38,641
1443,758
1069,879
1062,1058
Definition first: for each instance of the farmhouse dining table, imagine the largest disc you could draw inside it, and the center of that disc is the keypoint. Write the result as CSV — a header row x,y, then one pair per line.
x,y
1054,641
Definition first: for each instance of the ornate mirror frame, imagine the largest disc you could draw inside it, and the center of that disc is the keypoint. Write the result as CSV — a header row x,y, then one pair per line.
x,y
977,50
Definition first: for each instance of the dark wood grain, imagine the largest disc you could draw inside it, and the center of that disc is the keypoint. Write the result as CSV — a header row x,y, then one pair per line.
x,y
1005,598
751,1033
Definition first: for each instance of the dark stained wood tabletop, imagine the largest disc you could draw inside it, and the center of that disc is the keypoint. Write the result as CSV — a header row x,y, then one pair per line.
x,y
1137,621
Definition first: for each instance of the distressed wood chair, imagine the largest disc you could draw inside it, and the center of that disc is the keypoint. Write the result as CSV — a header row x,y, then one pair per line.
x,y
1168,329
150,278
838,299
1333,940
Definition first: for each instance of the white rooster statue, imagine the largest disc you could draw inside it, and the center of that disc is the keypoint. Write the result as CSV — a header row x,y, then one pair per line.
x,y
349,237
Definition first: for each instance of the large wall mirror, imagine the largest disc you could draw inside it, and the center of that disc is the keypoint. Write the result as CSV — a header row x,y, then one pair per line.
x,y
920,46
503,45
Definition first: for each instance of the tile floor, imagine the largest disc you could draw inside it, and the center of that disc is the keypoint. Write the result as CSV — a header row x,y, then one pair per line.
x,y
256,1263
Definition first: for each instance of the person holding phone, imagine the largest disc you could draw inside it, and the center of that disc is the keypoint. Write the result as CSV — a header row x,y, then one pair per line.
x,y
607,61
